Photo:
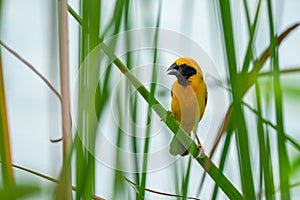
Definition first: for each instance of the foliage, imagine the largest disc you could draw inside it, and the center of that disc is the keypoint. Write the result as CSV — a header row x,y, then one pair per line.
x,y
247,91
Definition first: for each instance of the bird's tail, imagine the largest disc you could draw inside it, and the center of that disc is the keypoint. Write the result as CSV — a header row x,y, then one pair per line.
x,y
177,148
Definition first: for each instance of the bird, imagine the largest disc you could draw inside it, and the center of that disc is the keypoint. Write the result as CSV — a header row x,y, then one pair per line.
x,y
189,99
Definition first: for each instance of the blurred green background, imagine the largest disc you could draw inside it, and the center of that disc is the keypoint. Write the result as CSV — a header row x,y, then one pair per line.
x,y
119,145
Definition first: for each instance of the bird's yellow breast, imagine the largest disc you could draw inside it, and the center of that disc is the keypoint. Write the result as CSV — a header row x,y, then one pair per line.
x,y
188,103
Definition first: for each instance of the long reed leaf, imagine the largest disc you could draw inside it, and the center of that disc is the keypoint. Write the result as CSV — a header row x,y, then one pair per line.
x,y
149,112
223,158
185,180
283,160
265,158
5,150
237,114
251,30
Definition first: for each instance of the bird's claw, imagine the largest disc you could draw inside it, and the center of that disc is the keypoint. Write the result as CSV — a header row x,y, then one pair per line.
x,y
201,152
165,116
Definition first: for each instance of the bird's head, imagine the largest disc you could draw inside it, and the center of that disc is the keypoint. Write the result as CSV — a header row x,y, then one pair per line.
x,y
185,69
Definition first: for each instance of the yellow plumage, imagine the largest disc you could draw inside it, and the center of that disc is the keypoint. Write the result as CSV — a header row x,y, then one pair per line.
x,y
189,97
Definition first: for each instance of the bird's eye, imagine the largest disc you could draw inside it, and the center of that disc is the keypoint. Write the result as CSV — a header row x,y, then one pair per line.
x,y
183,65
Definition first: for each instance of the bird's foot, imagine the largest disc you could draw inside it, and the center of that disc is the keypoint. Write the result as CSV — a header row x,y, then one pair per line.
x,y
165,116
199,146
201,152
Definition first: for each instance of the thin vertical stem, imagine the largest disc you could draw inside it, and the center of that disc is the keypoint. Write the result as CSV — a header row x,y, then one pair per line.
x,y
149,115
65,192
283,160
5,154
64,75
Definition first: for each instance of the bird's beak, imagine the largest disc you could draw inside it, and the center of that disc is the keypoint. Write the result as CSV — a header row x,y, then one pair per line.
x,y
173,69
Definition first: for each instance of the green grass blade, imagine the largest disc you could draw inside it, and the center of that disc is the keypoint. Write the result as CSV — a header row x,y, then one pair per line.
x,y
283,160
118,187
116,20
223,158
88,41
244,156
149,112
251,29
80,168
5,152
81,162
147,134
225,12
237,91
133,104
175,173
265,158
134,138
247,14
186,178
93,22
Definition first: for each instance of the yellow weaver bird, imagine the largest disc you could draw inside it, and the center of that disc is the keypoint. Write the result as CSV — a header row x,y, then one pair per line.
x,y
189,98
